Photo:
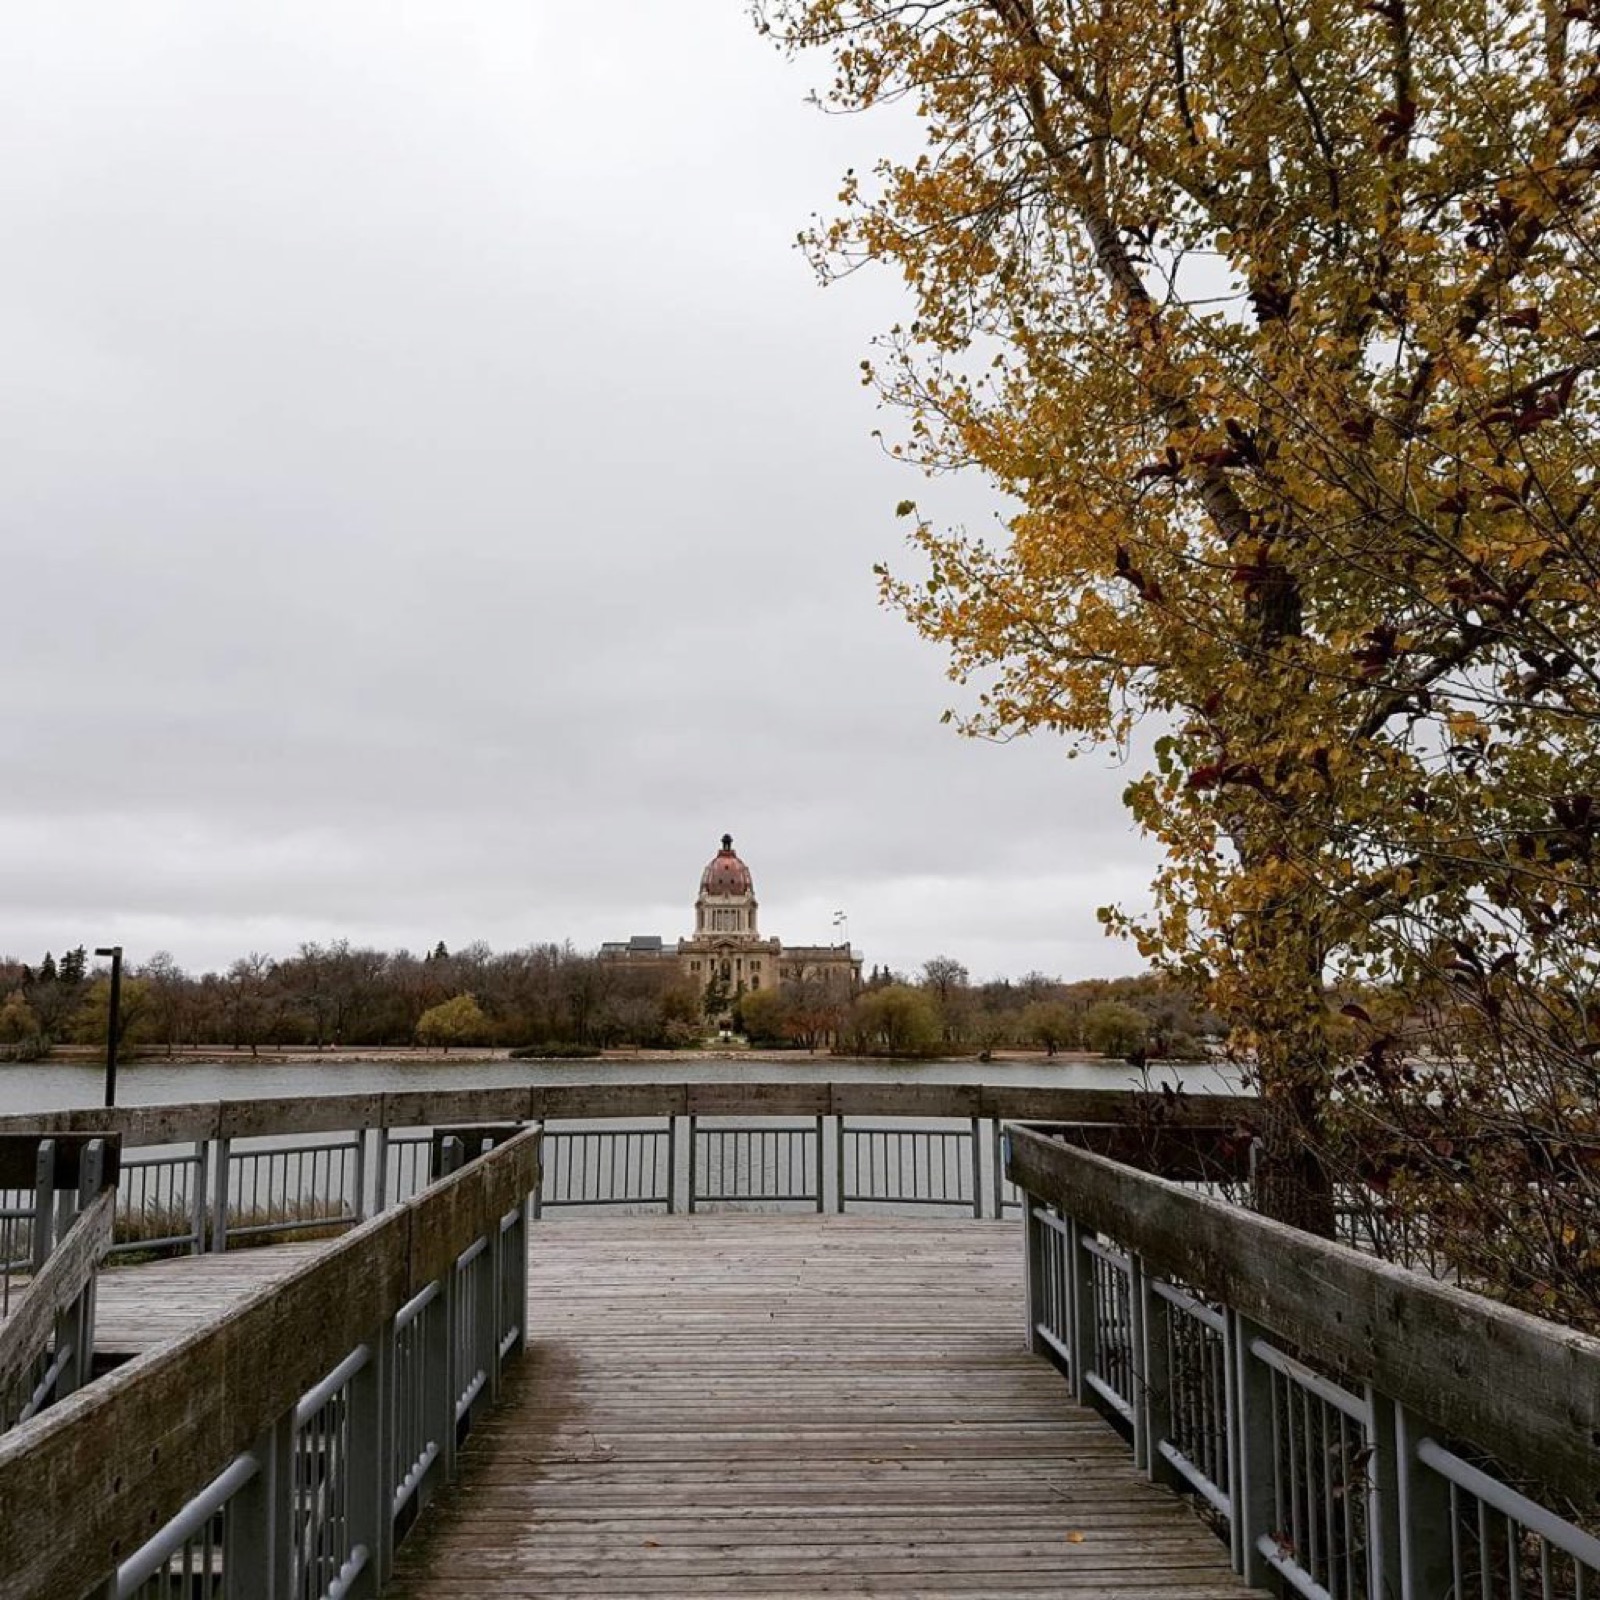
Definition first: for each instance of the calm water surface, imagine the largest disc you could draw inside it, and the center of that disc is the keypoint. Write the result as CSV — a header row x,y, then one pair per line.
x,y
42,1086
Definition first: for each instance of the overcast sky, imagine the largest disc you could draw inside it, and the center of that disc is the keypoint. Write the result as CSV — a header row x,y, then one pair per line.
x,y
438,501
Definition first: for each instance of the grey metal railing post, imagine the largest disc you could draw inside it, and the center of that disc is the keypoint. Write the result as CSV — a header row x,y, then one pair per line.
x,y
523,1242
1138,1376
44,1215
977,1170
439,1360
1254,1497
838,1163
1382,1498
358,1185
199,1197
487,1320
1033,1272
821,1186
380,1170
371,1455
1080,1311
1154,1399
694,1158
997,1165
672,1164
219,1195
259,1528
1422,1515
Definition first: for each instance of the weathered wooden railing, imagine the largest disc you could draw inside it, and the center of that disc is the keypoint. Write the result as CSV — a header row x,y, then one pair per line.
x,y
1359,1429
197,1175
59,1238
283,1449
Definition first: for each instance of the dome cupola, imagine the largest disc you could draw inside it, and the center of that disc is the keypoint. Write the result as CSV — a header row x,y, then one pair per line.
x,y
726,874
726,906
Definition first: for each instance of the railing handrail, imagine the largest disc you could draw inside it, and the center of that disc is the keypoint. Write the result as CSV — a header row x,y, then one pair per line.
x,y
143,1440
1526,1390
186,1121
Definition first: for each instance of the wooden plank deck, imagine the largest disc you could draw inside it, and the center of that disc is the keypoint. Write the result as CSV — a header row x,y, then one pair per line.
x,y
795,1406
136,1307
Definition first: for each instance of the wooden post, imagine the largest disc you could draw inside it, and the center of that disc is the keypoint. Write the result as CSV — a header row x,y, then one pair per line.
x,y
1254,1488
998,1166
219,1197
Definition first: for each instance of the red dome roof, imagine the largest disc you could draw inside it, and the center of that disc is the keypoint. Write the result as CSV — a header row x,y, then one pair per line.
x,y
726,874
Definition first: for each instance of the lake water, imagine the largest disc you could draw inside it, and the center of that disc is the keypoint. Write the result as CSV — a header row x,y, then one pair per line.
x,y
45,1085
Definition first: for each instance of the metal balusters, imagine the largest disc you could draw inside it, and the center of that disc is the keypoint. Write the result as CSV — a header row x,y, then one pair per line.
x,y
756,1165
1502,1542
1109,1369
161,1203
627,1166
909,1166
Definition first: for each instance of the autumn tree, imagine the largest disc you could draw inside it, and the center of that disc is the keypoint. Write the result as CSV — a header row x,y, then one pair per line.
x,y
18,1023
897,1020
1049,1023
459,1020
1277,323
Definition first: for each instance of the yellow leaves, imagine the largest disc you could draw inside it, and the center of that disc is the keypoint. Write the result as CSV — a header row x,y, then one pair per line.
x,y
1466,727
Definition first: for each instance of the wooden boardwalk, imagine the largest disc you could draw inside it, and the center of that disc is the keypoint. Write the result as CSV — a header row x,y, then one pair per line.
x,y
136,1307
795,1406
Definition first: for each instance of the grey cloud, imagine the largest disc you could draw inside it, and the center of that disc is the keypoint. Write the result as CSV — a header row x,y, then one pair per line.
x,y
439,502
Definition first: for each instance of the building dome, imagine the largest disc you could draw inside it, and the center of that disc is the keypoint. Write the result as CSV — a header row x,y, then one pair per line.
x,y
725,873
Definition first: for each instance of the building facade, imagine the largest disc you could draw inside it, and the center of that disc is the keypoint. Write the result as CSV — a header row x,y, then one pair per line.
x,y
727,956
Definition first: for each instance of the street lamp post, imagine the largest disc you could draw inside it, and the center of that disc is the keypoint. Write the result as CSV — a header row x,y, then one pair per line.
x,y
115,952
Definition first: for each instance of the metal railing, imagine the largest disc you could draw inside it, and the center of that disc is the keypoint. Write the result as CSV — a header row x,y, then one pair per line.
x,y
313,1503
1341,1418
913,1166
769,1164
613,1166
202,1174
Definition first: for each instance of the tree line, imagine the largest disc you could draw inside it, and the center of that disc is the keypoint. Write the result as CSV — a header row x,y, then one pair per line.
x,y
550,996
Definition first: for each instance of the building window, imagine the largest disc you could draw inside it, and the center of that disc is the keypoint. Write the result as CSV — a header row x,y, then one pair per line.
x,y
755,980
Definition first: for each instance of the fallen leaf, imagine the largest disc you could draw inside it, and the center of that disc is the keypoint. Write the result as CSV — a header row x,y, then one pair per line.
x,y
652,1544
1074,1537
